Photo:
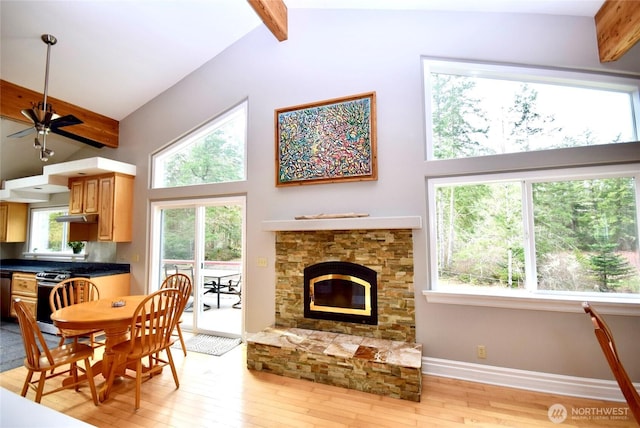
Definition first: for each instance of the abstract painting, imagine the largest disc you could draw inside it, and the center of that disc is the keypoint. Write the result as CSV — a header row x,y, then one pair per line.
x,y
327,141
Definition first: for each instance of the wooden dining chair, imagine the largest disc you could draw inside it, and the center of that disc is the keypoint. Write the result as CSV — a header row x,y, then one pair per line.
x,y
70,292
183,283
161,310
605,338
41,359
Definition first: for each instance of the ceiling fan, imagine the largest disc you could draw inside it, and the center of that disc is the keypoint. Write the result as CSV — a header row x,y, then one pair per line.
x,y
43,116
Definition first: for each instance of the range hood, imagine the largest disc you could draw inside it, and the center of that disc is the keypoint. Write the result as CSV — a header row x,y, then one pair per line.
x,y
78,218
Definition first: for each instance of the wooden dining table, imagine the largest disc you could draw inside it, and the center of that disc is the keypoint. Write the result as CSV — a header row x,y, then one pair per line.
x,y
101,314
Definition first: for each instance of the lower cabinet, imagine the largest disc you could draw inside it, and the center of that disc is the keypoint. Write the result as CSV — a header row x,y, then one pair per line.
x,y
25,287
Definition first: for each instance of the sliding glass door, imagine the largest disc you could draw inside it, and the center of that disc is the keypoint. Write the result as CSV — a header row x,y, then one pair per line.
x,y
203,239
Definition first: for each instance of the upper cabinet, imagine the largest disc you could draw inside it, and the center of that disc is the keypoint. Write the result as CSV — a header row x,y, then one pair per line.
x,y
13,222
108,195
84,195
116,206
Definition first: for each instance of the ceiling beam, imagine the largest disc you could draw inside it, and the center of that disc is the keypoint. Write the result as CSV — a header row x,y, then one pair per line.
x,y
94,126
274,15
617,28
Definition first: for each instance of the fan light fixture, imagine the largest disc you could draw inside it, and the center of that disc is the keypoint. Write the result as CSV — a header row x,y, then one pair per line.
x,y
43,116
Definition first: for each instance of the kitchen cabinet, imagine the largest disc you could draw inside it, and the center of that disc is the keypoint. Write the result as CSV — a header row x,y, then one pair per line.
x,y
111,197
83,195
116,205
25,287
13,222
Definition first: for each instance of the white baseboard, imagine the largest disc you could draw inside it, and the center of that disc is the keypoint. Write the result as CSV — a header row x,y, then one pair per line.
x,y
523,379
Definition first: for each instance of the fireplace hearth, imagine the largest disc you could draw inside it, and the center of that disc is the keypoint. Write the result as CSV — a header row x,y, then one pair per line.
x,y
341,291
381,357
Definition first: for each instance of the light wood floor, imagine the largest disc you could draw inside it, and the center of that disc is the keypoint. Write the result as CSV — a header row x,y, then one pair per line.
x,y
221,392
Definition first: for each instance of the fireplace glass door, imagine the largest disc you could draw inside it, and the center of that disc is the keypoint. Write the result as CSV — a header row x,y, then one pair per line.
x,y
341,291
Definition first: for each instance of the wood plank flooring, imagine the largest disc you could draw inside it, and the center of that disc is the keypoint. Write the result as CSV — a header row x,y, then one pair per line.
x,y
221,392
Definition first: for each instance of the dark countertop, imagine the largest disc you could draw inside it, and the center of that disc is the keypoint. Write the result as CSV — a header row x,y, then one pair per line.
x,y
78,269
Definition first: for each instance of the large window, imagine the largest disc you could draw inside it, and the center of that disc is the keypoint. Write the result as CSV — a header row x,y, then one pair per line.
x,y
556,231
46,235
214,153
549,230
478,110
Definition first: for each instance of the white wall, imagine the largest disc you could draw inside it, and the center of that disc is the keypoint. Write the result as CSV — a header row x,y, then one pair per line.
x,y
338,53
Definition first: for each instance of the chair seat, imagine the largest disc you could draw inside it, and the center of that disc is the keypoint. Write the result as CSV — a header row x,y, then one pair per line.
x,y
138,351
62,355
74,333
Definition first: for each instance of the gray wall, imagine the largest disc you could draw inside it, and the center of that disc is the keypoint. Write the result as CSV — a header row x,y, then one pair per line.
x,y
338,53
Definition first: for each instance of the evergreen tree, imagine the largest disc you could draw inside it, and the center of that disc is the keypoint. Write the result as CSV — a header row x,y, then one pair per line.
x,y
607,266
458,124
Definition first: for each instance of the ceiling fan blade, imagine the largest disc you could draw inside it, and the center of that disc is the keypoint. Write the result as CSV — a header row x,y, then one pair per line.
x,y
77,138
22,133
67,120
31,115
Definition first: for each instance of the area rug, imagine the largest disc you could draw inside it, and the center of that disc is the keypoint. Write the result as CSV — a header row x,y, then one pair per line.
x,y
11,347
212,345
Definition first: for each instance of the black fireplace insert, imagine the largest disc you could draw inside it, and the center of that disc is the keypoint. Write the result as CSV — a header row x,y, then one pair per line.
x,y
341,291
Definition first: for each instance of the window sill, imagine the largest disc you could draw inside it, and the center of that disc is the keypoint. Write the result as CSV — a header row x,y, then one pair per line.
x,y
55,256
538,301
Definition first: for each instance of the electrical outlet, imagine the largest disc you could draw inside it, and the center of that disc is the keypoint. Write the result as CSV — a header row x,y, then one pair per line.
x,y
482,351
262,261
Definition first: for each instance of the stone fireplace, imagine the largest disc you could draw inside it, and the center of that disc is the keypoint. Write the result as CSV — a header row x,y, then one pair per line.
x,y
341,291
388,252
325,329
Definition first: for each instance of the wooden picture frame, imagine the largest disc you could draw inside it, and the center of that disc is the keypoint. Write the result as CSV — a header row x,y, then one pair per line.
x,y
327,141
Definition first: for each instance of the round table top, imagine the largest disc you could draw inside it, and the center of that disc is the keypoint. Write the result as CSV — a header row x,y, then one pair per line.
x,y
96,314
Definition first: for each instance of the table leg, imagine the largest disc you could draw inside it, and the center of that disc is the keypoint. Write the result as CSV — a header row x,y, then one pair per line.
x,y
113,336
218,293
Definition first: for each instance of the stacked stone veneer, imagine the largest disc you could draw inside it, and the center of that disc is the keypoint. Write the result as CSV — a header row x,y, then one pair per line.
x,y
389,252
378,366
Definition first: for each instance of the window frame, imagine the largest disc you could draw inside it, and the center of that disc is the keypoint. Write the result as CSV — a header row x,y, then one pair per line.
x,y
186,139
523,73
571,160
67,253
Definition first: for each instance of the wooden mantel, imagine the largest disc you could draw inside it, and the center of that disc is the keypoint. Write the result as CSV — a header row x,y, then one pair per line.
x,y
617,28
355,223
95,127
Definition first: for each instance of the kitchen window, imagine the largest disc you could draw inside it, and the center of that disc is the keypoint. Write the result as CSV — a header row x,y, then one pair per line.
x,y
213,153
46,235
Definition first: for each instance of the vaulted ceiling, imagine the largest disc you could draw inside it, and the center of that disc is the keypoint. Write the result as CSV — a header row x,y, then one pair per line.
x,y
113,57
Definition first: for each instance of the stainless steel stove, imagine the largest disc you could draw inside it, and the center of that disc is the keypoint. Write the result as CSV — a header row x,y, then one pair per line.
x,y
46,281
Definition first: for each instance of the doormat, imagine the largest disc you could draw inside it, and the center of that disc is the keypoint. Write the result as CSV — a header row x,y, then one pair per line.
x,y
212,345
